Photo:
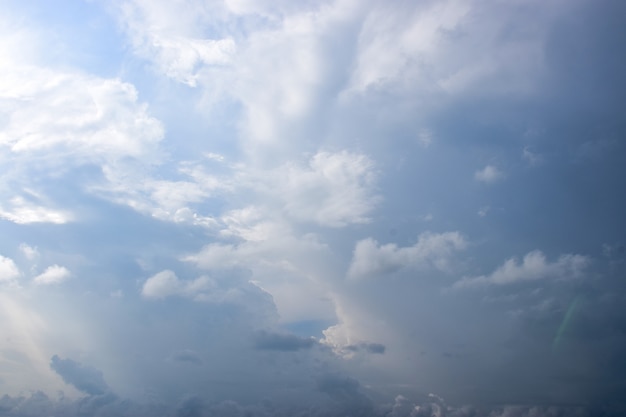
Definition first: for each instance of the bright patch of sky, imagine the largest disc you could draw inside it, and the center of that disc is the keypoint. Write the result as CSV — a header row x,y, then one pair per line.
x,y
334,207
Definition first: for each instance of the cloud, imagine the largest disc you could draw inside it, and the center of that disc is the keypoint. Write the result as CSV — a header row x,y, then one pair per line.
x,y
489,175
375,348
432,250
175,46
52,275
345,390
29,252
334,190
161,285
534,266
265,340
85,378
8,269
27,212
61,121
166,284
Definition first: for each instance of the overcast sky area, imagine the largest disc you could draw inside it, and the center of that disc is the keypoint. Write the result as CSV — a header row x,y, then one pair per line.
x,y
312,208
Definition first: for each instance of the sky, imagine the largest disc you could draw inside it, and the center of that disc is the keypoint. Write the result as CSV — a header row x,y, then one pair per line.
x,y
312,208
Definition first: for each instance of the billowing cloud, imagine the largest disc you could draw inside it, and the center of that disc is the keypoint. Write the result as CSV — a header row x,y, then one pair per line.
x,y
52,275
257,179
432,250
85,378
534,266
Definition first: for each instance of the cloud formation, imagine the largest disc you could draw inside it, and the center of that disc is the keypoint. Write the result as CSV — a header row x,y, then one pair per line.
x,y
432,250
52,275
8,269
263,206
534,266
85,378
264,340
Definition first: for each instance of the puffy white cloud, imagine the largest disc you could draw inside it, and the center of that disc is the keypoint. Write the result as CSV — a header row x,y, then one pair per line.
x,y
534,266
161,285
432,250
489,174
8,269
52,275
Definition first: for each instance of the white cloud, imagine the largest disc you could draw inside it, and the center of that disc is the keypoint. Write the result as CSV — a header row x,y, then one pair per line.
x,y
161,285
489,174
174,37
26,212
426,46
370,259
8,269
166,284
29,252
533,267
60,116
335,190
56,121
54,274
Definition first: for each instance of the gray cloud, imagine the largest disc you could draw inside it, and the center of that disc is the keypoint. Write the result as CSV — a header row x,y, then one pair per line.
x,y
376,348
85,378
345,391
264,340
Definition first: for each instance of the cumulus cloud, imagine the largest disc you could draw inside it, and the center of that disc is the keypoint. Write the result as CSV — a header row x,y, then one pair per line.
x,y
534,266
166,284
8,269
432,250
489,175
52,275
161,285
85,378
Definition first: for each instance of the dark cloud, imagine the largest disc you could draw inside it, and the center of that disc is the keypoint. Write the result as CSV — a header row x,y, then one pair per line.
x,y
349,402
342,389
86,379
264,340
376,348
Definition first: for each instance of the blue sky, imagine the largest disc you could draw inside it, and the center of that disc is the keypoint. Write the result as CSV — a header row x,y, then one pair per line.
x,y
324,207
